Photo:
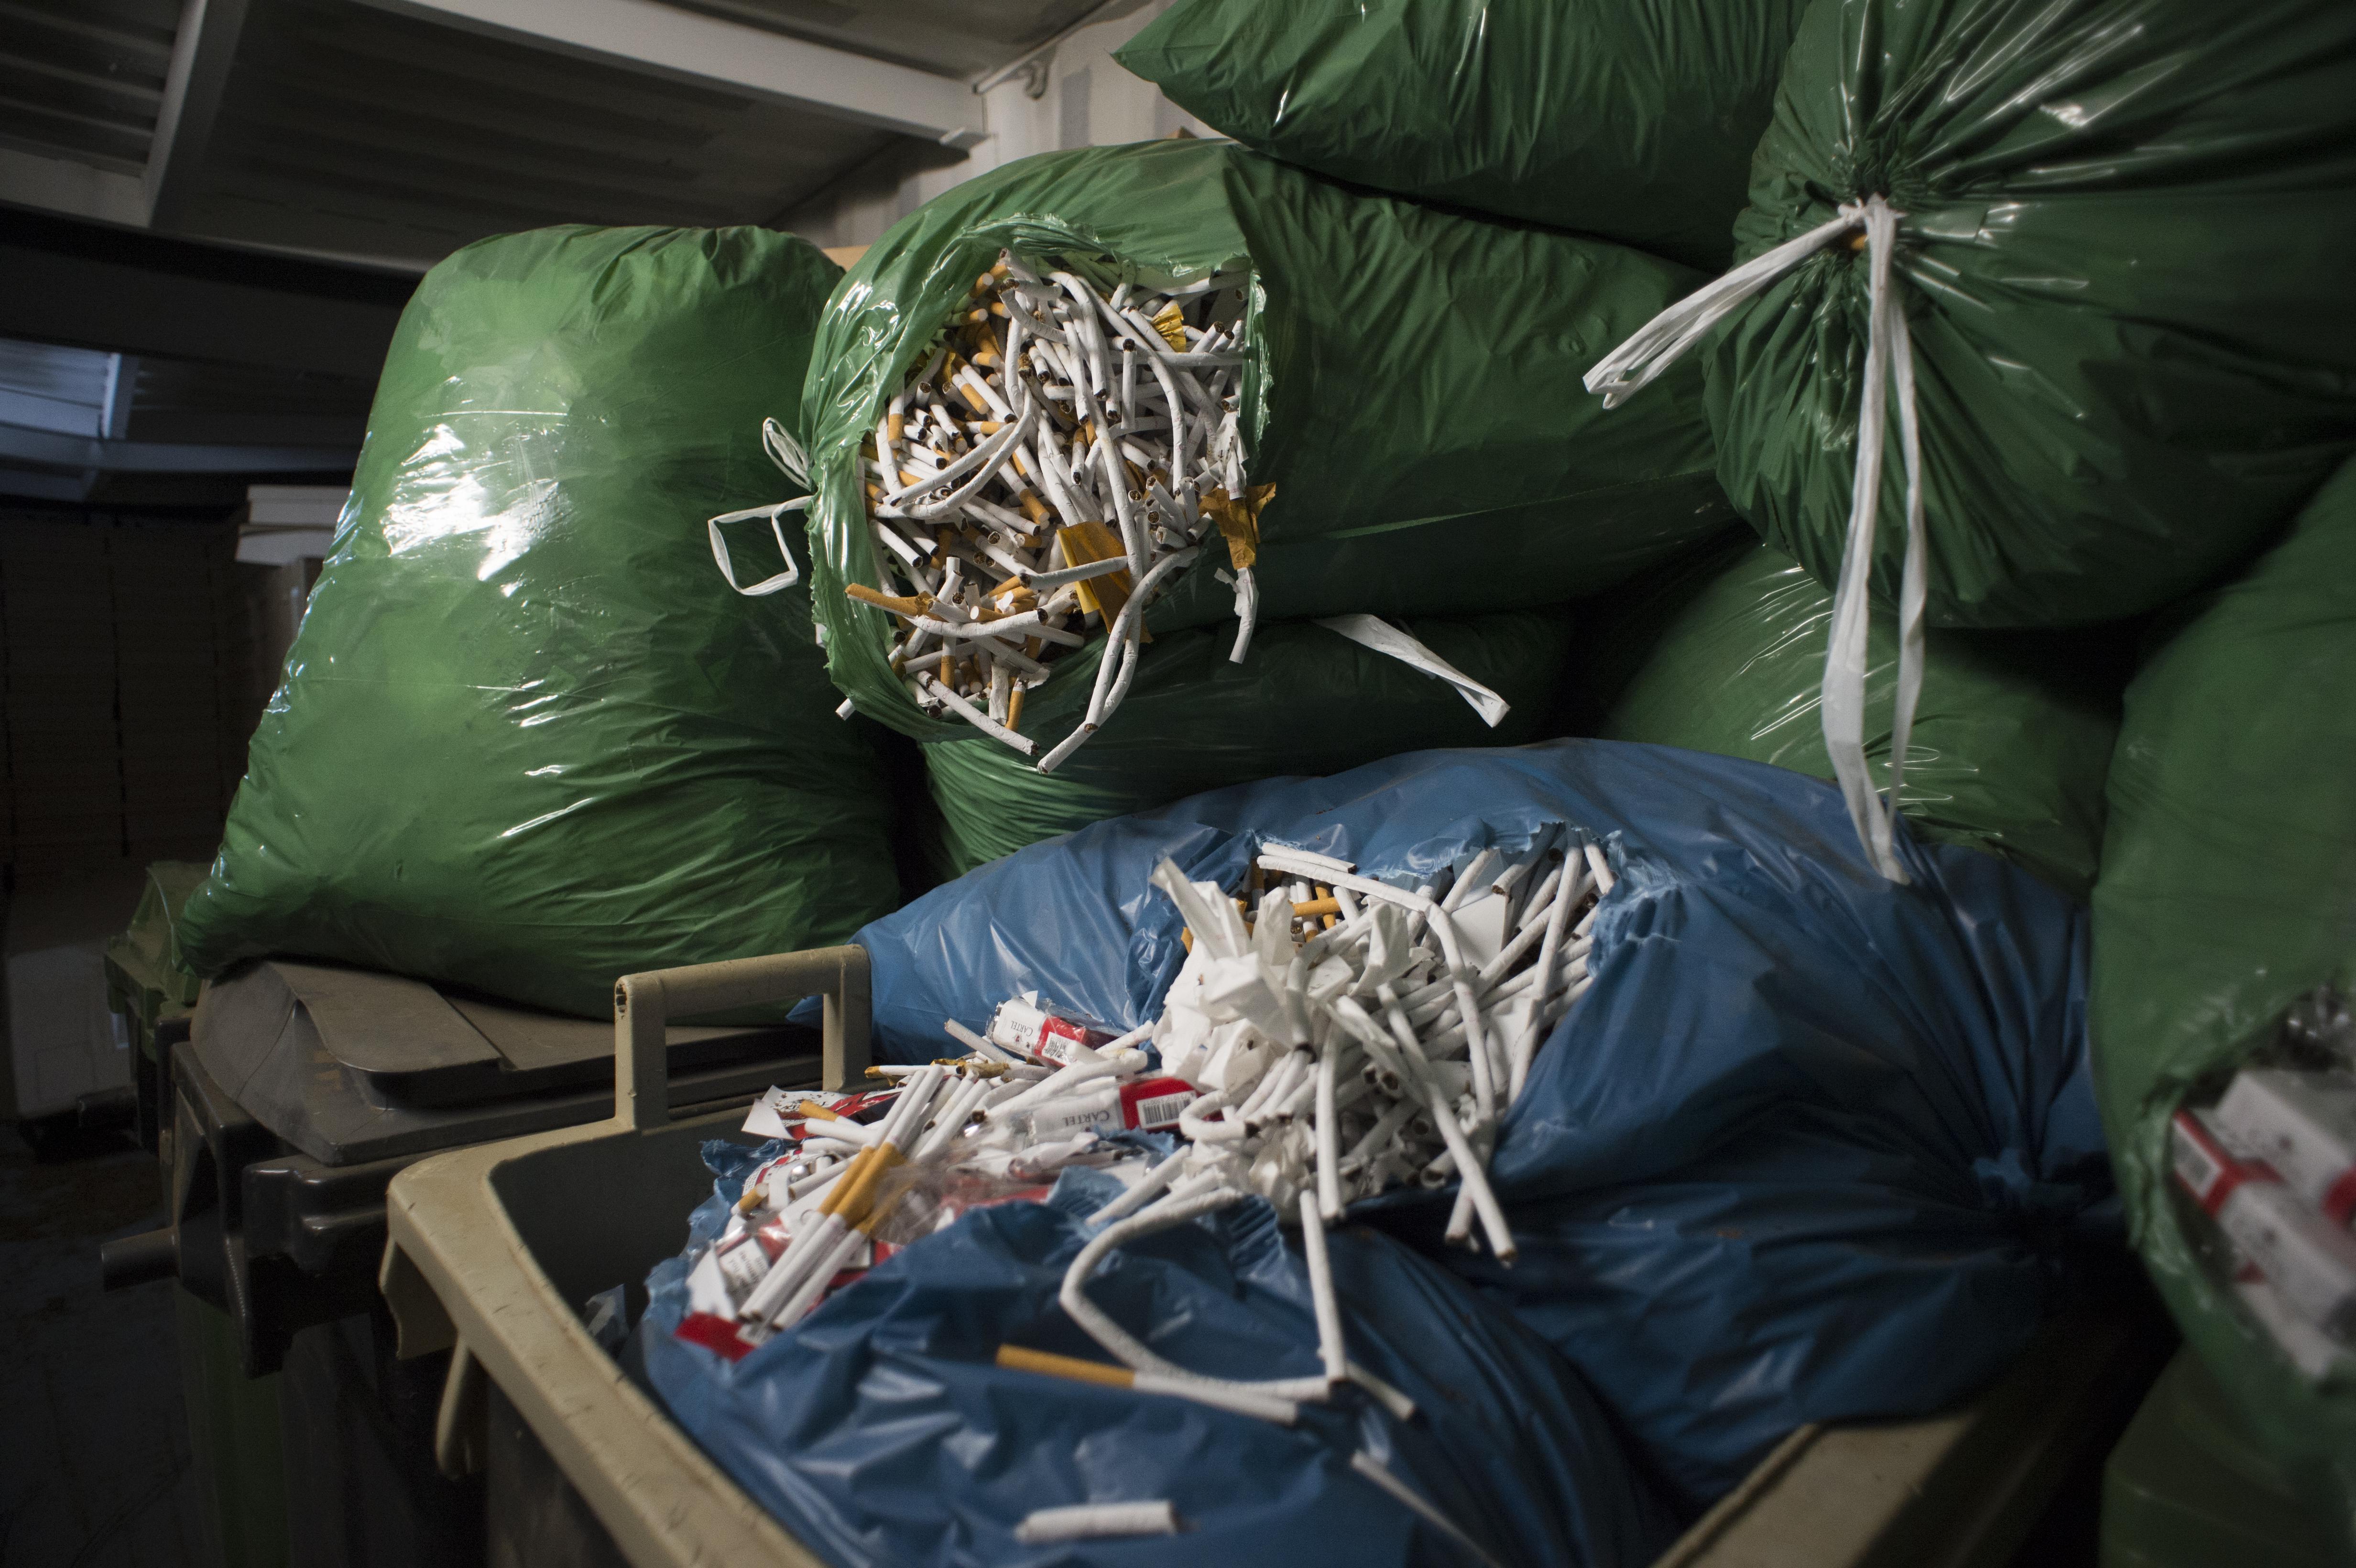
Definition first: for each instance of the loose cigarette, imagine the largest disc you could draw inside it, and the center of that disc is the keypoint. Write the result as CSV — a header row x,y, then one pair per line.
x,y
1148,1188
1047,581
1329,1130
1282,1412
975,716
1321,1292
837,1126
1126,1346
980,1045
898,604
1091,1521
1526,1046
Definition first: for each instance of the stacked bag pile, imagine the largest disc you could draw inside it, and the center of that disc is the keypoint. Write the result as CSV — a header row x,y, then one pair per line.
x,y
2072,265
2011,328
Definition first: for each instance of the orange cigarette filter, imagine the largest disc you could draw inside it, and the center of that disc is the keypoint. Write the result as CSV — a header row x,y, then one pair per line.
x,y
909,604
1070,1368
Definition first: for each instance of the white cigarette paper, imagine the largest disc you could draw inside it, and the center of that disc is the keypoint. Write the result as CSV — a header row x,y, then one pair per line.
x,y
1092,1522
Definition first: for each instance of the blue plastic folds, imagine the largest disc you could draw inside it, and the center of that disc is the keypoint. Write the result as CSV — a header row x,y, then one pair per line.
x,y
879,1431
1807,1151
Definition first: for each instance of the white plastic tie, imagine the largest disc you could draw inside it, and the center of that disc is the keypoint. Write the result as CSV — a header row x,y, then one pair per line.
x,y
786,578
1373,632
1889,359
788,454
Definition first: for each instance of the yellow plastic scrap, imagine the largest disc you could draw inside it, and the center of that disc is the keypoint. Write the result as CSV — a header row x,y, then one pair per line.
x,y
1239,521
1085,542
1172,325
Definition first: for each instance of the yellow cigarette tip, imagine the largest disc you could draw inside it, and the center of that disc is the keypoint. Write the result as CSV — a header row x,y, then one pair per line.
x,y
852,1181
1070,1368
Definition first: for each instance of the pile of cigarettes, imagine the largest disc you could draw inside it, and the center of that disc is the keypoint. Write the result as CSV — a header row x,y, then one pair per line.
x,y
1330,1036
2273,1164
1058,459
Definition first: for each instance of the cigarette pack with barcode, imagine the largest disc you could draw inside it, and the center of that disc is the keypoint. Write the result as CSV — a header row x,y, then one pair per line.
x,y
1022,1026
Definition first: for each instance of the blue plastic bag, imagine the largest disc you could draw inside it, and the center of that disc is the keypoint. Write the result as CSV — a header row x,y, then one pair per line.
x,y
880,1431
1809,1149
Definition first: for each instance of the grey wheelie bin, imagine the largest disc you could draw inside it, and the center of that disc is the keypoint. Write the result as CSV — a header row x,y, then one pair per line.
x,y
298,1092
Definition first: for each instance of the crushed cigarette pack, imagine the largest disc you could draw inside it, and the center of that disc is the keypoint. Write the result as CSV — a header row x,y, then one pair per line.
x,y
2303,1125
2311,1263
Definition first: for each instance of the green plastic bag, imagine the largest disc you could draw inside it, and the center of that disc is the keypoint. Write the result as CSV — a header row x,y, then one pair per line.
x,y
2011,741
1629,119
2123,258
1308,700
2227,894
1412,392
527,740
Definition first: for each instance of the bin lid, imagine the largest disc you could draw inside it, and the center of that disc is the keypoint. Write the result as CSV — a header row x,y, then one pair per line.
x,y
349,1064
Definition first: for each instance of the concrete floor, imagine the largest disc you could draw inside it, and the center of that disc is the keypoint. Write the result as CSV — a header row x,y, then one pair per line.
x,y
94,1462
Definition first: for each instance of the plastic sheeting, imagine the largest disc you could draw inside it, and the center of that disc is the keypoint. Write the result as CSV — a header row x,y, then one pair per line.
x,y
2011,741
527,739
1307,700
878,1430
1807,1150
2228,893
2123,258
1412,390
1630,119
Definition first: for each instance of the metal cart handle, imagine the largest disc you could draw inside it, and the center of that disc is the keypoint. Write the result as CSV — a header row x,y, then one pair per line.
x,y
643,1004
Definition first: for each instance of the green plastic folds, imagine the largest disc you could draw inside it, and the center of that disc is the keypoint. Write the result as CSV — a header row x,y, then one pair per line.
x,y
527,740
2011,741
1413,393
2124,259
147,980
2228,893
1307,700
1630,119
